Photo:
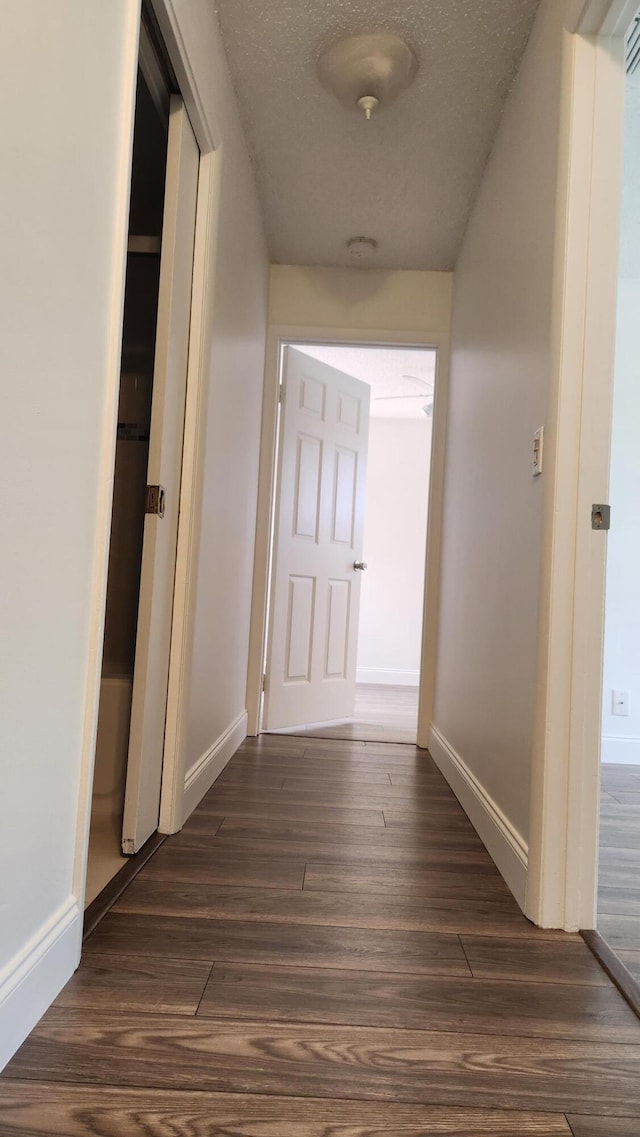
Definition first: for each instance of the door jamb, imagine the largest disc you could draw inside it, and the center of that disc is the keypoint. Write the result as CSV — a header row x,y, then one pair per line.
x,y
563,847
277,337
192,83
607,18
184,598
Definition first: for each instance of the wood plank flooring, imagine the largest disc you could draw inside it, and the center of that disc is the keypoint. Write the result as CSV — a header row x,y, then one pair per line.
x,y
619,868
327,950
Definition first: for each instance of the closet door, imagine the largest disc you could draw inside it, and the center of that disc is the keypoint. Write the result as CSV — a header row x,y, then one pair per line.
x,y
153,642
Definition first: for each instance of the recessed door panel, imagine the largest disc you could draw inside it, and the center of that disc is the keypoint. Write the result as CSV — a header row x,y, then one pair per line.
x,y
312,397
337,629
349,411
345,470
307,487
300,628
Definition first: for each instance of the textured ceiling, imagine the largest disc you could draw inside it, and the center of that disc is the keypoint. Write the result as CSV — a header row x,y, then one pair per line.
x,y
408,177
401,379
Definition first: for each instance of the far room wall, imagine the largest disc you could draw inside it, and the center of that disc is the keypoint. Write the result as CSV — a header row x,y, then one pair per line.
x,y
395,534
307,299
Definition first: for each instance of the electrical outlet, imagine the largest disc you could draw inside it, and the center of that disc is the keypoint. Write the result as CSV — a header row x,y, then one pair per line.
x,y
620,703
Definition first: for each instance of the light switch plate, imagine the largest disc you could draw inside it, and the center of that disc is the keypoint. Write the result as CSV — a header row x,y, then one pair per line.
x,y
620,703
538,444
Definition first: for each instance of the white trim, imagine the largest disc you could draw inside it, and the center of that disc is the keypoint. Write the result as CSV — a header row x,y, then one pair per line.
x,y
563,826
582,14
620,751
601,17
504,844
619,17
201,776
305,726
431,609
204,125
32,979
191,487
388,676
277,336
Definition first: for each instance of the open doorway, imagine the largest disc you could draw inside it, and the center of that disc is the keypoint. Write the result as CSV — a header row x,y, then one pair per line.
x,y
148,472
388,541
130,482
618,915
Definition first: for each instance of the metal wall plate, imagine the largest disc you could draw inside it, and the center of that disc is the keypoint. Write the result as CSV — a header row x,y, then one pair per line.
x,y
155,500
600,516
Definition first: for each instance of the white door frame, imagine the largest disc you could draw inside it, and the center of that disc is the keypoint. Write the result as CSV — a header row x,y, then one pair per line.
x,y
277,337
172,20
563,847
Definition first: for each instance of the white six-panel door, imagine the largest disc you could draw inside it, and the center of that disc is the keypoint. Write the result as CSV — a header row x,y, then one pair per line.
x,y
315,589
153,641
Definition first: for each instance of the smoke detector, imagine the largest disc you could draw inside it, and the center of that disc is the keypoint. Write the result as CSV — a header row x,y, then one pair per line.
x,y
366,73
362,248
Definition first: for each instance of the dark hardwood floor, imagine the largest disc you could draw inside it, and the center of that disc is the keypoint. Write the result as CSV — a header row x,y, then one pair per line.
x,y
619,869
326,950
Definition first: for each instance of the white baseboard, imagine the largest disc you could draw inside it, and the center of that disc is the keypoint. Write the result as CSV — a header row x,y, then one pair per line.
x,y
503,843
388,676
204,772
309,726
36,975
622,751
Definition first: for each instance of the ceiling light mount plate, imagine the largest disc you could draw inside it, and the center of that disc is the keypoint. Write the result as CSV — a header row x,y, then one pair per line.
x,y
366,73
362,248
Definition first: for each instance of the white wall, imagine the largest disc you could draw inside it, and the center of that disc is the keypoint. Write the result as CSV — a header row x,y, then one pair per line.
x,y
66,162
359,299
395,534
500,367
232,432
67,113
621,734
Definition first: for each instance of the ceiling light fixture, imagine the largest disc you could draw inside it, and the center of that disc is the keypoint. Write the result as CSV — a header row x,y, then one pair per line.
x,y
368,104
367,72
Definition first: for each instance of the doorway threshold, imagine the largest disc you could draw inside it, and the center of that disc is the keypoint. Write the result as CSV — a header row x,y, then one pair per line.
x,y
627,985
112,891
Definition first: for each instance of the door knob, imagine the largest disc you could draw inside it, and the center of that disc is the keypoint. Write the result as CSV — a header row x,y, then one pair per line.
x,y
359,566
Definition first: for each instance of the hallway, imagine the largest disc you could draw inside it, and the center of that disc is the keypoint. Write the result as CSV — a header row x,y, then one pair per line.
x,y
326,950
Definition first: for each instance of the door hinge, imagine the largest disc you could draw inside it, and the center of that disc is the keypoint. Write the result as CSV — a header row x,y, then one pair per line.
x,y
600,516
264,681
155,500
281,393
